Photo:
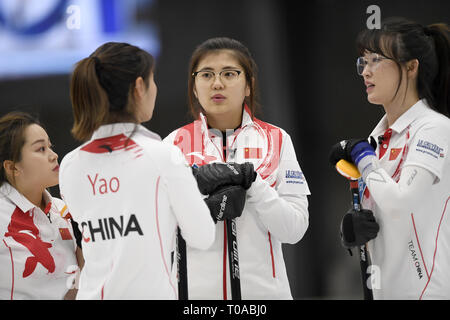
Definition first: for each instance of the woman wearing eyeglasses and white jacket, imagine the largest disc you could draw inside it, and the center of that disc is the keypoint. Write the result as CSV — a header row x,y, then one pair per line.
x,y
406,69
272,208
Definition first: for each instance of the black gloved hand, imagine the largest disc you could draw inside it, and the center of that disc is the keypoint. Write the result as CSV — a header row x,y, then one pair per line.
x,y
211,176
343,149
358,227
226,203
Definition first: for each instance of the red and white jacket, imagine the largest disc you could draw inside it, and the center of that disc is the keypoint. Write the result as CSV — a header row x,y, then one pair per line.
x,y
37,248
128,191
275,212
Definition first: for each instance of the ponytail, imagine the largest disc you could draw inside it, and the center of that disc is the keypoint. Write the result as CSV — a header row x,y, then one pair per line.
x,y
89,100
101,88
440,88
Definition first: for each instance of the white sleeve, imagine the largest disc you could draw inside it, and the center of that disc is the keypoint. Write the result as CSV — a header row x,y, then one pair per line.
x,y
192,213
396,198
283,209
423,167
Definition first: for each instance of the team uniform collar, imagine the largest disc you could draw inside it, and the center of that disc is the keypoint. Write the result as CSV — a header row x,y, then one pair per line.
x,y
403,121
126,128
246,120
8,191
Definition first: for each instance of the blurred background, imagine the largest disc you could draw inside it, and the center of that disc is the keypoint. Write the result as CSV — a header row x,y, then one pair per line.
x,y
307,73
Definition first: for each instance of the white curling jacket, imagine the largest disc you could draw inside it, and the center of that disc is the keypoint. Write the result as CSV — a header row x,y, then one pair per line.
x,y
275,212
37,248
411,253
128,191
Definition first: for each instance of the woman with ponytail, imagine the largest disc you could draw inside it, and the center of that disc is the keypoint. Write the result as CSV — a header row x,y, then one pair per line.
x,y
406,167
127,189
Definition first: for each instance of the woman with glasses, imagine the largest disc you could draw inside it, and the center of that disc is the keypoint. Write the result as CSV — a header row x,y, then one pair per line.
x,y
406,173
123,184
249,171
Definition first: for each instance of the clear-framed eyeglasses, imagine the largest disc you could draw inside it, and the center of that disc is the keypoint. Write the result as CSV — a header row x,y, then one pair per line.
x,y
372,60
226,76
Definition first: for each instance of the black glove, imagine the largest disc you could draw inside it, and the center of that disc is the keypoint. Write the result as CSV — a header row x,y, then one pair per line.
x,y
211,176
343,149
358,227
226,203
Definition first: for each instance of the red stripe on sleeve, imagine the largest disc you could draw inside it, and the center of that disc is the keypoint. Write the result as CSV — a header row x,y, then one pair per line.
x,y
271,254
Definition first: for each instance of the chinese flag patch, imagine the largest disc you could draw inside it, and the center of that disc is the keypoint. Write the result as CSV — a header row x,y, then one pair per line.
x,y
65,234
394,153
252,153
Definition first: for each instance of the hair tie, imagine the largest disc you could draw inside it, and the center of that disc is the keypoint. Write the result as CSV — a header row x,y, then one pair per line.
x,y
98,64
98,67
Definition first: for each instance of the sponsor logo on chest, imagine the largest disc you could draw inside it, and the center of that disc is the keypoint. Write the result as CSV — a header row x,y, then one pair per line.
x,y
294,176
430,148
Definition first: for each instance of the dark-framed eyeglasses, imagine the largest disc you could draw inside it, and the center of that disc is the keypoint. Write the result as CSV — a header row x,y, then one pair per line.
x,y
226,76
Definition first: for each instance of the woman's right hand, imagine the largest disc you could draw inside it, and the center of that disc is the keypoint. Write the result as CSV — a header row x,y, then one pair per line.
x,y
214,175
226,203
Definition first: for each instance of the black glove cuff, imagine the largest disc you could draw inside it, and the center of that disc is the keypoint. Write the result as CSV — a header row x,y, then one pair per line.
x,y
249,174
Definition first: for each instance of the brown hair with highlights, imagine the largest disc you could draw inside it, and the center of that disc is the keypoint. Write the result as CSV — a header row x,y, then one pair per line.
x,y
102,85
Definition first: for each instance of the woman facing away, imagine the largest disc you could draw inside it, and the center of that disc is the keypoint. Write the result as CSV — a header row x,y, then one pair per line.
x,y
249,171
406,69
38,251
128,190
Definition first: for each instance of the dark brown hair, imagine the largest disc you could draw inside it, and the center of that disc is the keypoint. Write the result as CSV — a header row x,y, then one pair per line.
x,y
402,40
12,137
102,85
244,58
